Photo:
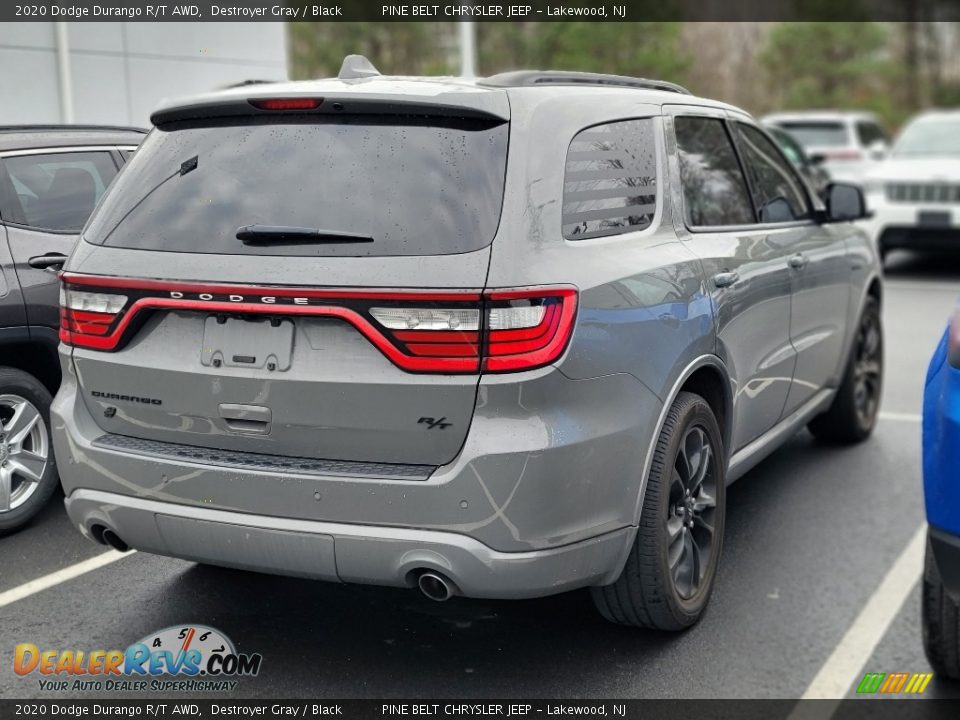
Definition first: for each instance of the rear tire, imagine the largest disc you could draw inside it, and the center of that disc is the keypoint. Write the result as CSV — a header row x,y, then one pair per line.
x,y
23,496
853,414
682,520
941,622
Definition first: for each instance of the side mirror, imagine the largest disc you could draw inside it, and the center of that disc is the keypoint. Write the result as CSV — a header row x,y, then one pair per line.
x,y
817,158
844,202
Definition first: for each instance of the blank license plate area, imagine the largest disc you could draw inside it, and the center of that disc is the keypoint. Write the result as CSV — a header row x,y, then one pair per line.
x,y
235,342
928,219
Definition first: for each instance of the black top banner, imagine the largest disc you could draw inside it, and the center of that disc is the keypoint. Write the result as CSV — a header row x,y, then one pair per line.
x,y
522,11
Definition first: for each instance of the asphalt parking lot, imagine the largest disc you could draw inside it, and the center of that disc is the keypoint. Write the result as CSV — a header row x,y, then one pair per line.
x,y
812,534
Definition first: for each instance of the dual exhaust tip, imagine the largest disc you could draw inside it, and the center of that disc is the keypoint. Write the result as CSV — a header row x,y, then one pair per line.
x,y
435,586
432,584
107,536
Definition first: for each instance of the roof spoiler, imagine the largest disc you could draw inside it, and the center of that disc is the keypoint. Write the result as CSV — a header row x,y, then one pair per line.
x,y
474,108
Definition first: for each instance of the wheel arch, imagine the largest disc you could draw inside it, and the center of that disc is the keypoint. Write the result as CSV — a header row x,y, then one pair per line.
x,y
708,377
34,358
875,290
711,383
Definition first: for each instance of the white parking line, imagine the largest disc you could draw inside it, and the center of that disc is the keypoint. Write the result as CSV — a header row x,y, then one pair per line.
x,y
60,576
901,417
841,669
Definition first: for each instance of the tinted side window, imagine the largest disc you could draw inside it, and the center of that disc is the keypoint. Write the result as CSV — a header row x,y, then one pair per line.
x,y
56,192
778,190
714,191
610,185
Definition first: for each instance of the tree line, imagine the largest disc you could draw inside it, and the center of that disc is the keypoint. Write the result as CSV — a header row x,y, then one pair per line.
x,y
893,69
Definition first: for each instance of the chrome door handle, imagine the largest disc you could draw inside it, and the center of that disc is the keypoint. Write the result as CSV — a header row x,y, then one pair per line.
x,y
798,261
725,279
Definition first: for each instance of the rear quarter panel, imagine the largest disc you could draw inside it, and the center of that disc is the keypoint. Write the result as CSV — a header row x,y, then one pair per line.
x,y
643,313
643,309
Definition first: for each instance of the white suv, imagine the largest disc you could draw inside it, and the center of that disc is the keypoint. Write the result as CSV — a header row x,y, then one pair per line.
x,y
914,196
847,144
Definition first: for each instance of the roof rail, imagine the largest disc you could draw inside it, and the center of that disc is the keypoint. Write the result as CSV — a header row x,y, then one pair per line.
x,y
70,128
531,78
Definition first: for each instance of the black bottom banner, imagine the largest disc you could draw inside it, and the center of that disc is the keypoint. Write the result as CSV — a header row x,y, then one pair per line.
x,y
458,709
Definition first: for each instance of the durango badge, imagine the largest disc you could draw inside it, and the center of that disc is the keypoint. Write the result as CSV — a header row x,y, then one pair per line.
x,y
126,398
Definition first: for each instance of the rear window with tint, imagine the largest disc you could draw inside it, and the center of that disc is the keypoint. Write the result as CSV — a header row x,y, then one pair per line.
x,y
417,186
815,134
610,186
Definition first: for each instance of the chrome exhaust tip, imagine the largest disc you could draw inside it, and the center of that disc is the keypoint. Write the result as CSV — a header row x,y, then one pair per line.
x,y
113,540
435,586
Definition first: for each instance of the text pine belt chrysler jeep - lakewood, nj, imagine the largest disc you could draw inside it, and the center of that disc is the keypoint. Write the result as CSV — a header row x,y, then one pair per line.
x,y
500,338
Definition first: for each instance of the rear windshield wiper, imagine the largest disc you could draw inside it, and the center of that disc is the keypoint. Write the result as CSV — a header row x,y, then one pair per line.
x,y
265,234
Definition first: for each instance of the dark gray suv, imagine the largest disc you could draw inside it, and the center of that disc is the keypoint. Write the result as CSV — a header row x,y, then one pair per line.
x,y
50,180
502,338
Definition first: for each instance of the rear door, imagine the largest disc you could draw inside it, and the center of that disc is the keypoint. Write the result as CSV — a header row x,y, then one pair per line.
x,y
53,194
745,266
817,258
306,286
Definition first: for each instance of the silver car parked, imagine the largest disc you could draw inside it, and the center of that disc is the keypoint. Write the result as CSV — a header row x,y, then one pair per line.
x,y
501,338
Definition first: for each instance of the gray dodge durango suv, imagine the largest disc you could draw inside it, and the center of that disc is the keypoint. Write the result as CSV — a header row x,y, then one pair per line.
x,y
500,338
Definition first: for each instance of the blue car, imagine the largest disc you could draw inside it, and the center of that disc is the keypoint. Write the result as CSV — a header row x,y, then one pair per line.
x,y
941,460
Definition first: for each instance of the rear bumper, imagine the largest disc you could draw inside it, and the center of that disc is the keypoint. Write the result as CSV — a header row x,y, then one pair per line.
x,y
345,553
542,498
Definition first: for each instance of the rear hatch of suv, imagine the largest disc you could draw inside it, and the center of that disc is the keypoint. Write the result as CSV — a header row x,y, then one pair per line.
x,y
298,277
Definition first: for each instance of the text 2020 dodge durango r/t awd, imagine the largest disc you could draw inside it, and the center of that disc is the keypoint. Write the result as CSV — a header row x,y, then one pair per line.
x,y
499,338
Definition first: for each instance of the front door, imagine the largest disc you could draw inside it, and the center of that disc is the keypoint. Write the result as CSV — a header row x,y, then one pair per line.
x,y
817,259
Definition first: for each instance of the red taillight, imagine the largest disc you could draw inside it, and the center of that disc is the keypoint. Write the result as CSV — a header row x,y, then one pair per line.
x,y
86,317
527,328
432,332
521,329
287,103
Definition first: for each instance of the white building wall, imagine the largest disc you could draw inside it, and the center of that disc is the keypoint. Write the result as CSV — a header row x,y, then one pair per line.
x,y
121,71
